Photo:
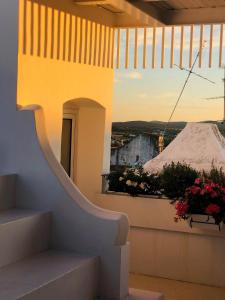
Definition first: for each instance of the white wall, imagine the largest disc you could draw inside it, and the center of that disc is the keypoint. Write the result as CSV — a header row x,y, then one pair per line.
x,y
49,78
161,247
42,184
8,80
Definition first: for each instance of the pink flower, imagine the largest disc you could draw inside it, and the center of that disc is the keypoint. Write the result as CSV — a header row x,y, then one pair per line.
x,y
198,181
213,209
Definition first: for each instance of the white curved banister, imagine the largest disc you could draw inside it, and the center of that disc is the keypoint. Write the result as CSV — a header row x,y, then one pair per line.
x,y
70,189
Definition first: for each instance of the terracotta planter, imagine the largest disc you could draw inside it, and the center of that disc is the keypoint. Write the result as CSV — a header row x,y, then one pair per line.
x,y
204,222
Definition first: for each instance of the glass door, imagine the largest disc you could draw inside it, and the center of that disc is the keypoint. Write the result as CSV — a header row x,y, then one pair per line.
x,y
67,147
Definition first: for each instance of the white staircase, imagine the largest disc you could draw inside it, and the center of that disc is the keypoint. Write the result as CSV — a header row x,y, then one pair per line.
x,y
29,270
50,275
22,233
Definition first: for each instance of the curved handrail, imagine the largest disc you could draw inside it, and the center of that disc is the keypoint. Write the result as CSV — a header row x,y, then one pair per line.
x,y
67,184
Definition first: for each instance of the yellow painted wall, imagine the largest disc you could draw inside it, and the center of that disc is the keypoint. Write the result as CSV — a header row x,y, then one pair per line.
x,y
90,136
50,81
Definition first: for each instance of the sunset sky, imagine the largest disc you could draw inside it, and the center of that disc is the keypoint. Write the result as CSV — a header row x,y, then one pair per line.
x,y
151,94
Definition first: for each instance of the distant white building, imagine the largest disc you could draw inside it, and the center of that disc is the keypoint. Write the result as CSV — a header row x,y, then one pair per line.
x,y
199,145
137,152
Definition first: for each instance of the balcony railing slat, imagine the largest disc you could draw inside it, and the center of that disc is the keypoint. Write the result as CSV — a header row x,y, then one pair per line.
x,y
54,33
210,45
153,47
144,48
163,48
191,46
172,48
201,45
181,45
127,49
221,46
118,49
136,49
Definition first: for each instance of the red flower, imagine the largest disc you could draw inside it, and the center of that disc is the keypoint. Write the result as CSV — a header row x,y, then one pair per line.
x,y
209,181
214,185
202,197
214,194
208,188
202,192
213,209
195,190
181,208
198,181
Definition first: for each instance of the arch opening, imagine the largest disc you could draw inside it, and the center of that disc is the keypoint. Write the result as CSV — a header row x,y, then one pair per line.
x,y
82,143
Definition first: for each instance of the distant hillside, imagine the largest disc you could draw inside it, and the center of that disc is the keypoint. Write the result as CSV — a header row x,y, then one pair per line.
x,y
148,127
155,127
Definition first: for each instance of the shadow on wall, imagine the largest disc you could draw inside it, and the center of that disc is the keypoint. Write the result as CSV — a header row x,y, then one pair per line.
x,y
57,33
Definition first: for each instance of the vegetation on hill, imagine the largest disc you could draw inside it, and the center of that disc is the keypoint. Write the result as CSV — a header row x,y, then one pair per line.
x,y
144,126
155,128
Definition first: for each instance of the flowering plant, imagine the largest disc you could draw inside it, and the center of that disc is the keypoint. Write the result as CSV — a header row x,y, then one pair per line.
x,y
175,178
135,181
205,198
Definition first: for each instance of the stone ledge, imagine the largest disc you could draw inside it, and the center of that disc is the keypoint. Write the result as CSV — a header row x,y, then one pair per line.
x,y
144,295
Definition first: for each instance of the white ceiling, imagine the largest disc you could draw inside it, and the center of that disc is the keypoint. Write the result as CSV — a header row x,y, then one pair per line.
x,y
139,13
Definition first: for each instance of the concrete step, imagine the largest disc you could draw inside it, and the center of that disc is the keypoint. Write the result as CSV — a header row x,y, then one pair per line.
x,y
7,191
135,294
50,275
23,233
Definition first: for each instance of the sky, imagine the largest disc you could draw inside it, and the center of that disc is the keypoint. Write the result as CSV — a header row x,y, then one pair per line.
x,y
150,94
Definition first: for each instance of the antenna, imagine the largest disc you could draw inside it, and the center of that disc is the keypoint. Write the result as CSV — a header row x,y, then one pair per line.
x,y
220,97
196,74
190,72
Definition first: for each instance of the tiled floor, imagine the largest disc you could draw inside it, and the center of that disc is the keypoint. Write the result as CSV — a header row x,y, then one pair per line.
x,y
177,290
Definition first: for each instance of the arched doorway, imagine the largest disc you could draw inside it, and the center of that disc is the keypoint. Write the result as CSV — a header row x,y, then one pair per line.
x,y
82,143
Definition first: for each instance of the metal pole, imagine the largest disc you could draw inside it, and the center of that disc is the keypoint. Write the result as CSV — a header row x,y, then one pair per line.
x,y
181,93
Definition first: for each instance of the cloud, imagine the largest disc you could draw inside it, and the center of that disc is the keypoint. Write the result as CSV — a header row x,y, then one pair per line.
x,y
131,75
117,80
142,95
127,75
167,95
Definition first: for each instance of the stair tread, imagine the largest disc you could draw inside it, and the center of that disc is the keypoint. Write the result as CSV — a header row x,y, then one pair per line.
x,y
11,215
20,278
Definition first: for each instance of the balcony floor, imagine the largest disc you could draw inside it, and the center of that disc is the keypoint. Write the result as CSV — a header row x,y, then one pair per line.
x,y
176,290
